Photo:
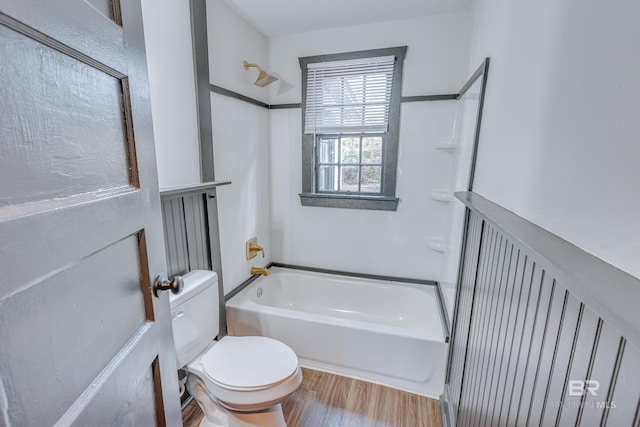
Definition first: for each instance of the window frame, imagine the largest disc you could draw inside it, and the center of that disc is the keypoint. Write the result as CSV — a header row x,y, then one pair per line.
x,y
387,199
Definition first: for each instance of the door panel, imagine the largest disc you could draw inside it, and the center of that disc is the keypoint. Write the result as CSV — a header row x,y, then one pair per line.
x,y
140,386
73,23
83,340
69,134
136,383
109,8
66,310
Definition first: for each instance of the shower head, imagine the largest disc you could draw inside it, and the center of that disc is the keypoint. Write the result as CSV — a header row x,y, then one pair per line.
x,y
264,78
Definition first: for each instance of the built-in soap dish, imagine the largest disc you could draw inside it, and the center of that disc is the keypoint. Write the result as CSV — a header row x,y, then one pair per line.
x,y
442,195
438,244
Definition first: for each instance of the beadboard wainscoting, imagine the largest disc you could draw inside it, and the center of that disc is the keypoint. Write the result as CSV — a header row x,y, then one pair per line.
x,y
544,333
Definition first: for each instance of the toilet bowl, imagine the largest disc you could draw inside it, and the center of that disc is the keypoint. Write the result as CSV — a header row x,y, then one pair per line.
x,y
236,381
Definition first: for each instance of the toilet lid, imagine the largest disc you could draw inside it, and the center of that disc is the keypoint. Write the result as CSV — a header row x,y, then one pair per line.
x,y
249,362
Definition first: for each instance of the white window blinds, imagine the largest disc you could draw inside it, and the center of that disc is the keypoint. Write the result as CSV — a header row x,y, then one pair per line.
x,y
349,96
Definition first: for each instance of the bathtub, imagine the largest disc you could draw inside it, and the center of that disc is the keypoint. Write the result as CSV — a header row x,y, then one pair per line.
x,y
384,332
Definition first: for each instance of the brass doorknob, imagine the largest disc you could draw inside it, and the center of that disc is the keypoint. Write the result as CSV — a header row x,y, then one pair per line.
x,y
174,285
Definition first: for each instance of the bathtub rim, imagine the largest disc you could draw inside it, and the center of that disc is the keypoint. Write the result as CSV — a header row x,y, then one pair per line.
x,y
444,319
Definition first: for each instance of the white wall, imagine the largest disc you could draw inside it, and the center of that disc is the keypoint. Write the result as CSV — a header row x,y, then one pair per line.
x,y
461,157
240,142
391,243
376,242
559,142
241,155
436,61
172,87
231,41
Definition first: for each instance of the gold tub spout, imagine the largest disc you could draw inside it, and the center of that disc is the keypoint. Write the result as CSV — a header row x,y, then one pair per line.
x,y
259,270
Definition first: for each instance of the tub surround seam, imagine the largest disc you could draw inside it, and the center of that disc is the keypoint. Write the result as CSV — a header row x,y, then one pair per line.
x,y
242,285
353,274
446,327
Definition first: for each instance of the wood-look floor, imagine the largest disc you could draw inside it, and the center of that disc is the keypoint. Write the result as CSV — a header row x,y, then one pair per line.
x,y
326,400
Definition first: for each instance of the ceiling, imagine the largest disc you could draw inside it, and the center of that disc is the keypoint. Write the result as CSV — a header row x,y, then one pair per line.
x,y
281,17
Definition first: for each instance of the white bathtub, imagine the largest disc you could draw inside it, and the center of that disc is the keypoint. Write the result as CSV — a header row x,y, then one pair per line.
x,y
379,331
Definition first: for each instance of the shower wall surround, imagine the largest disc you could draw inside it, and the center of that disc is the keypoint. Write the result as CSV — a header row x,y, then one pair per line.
x,y
240,142
396,242
258,149
268,205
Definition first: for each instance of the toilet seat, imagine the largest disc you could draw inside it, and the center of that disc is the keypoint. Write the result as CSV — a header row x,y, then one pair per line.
x,y
249,363
248,373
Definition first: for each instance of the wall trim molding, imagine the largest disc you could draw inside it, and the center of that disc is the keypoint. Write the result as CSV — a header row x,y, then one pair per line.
x,y
422,98
353,274
235,95
345,201
198,14
283,106
187,190
200,46
609,292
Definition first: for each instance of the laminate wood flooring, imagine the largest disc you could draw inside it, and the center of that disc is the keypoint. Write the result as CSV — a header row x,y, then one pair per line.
x,y
327,400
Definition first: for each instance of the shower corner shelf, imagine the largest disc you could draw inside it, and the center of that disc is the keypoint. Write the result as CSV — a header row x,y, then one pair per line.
x,y
438,244
442,195
448,146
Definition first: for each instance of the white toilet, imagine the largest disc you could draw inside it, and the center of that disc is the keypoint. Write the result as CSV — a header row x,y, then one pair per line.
x,y
237,381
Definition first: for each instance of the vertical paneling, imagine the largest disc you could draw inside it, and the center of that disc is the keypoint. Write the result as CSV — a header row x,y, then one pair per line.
x,y
488,249
465,302
186,234
525,307
524,347
537,382
581,365
562,358
623,396
531,336
505,337
496,332
175,237
480,335
197,232
604,357
489,323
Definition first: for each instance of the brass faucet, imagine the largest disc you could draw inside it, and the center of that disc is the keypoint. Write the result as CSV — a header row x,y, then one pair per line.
x,y
259,270
252,248
255,249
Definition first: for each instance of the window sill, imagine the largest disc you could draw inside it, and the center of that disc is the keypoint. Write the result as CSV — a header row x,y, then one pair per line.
x,y
345,201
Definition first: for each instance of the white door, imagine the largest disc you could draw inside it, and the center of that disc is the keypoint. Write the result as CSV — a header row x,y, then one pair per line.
x,y
83,341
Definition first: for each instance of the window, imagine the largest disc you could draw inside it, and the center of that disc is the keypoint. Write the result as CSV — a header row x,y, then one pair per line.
x,y
350,164
351,112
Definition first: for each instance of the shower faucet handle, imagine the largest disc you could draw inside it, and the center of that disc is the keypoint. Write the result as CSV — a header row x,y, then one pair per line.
x,y
176,285
253,248
256,249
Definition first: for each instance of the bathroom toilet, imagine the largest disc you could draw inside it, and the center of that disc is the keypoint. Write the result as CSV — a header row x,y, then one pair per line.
x,y
237,381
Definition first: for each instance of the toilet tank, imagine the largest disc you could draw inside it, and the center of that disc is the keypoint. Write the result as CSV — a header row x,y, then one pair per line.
x,y
194,314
